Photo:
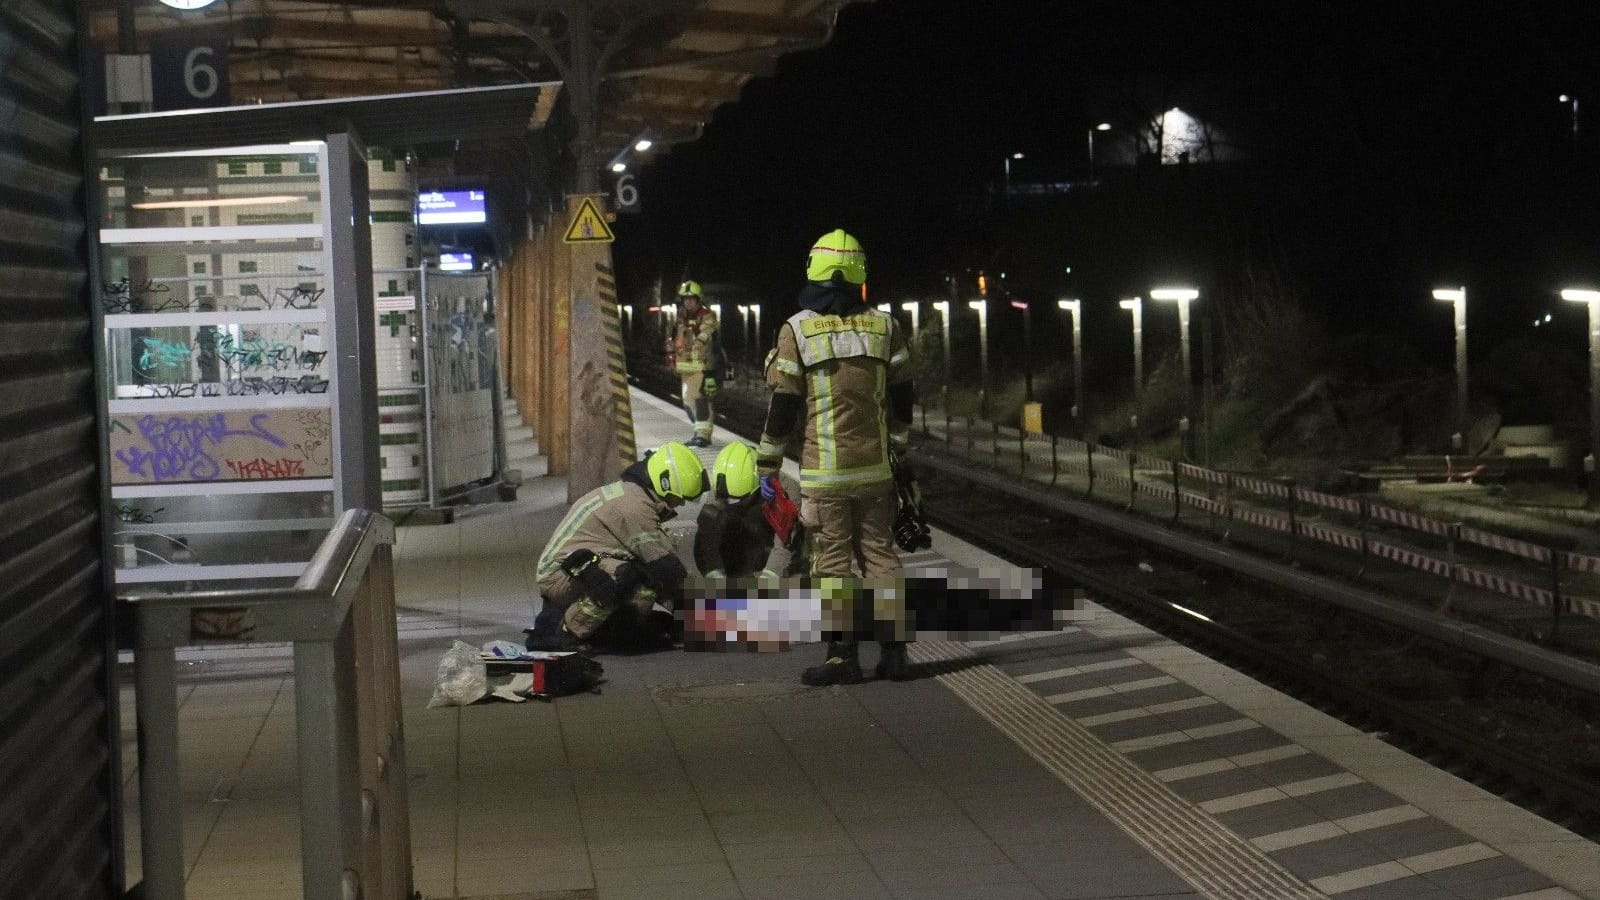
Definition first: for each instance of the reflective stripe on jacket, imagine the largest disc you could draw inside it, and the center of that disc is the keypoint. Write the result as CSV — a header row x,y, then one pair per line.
x,y
842,366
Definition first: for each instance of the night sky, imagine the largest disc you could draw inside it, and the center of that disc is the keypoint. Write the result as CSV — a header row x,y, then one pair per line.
x,y
1390,147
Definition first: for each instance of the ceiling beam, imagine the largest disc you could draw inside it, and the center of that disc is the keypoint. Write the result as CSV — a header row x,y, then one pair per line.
x,y
756,61
636,116
753,24
719,91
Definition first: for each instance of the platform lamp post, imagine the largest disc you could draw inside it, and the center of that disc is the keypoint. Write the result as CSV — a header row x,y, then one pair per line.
x,y
1103,126
1074,309
1591,463
942,307
1008,171
981,307
744,333
913,309
1182,296
1135,308
1457,297
1027,349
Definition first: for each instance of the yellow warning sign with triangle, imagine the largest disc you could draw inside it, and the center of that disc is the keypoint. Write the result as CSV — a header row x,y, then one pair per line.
x,y
589,226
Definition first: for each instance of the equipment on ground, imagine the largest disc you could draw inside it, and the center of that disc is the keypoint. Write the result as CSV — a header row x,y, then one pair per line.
x,y
778,509
910,524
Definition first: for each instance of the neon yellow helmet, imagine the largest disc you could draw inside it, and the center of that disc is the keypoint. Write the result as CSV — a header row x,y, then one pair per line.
x,y
676,472
691,289
734,472
838,252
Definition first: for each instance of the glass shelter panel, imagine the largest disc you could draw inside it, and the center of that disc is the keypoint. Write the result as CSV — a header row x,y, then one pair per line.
x,y
215,302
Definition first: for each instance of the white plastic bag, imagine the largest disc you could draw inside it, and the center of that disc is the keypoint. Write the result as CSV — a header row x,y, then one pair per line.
x,y
463,678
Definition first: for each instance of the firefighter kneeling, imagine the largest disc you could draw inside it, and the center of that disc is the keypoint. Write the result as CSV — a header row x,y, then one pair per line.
x,y
611,560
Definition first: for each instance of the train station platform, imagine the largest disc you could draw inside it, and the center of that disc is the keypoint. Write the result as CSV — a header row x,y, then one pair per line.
x,y
1098,761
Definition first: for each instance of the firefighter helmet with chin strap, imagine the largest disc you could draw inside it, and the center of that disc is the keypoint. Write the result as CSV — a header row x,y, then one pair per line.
x,y
837,252
734,475
675,472
691,289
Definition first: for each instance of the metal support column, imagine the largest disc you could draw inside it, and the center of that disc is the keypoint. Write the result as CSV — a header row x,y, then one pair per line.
x,y
160,791
355,368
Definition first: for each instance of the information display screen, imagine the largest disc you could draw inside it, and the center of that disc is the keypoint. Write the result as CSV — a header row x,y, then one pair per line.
x,y
450,208
455,262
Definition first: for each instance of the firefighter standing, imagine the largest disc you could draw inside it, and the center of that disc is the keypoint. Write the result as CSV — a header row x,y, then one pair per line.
x,y
610,553
841,372
694,353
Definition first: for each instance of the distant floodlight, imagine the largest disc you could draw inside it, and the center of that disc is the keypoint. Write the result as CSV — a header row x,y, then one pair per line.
x,y
1547,317
1177,293
1103,126
1016,156
1564,98
619,167
643,144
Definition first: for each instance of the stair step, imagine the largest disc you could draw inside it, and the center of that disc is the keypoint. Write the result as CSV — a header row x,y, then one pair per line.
x,y
518,433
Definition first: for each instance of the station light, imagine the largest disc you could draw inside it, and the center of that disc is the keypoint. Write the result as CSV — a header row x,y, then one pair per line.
x,y
1457,297
643,144
619,167
1074,309
981,307
1591,298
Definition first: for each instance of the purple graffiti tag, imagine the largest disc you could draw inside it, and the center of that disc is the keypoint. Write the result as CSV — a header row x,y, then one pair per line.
x,y
178,447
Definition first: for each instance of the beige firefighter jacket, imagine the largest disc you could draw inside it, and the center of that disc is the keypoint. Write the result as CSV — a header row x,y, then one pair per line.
x,y
692,347
620,521
843,367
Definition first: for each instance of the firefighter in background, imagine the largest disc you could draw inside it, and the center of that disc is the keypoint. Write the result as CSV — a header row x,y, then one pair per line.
x,y
841,377
611,553
739,534
694,352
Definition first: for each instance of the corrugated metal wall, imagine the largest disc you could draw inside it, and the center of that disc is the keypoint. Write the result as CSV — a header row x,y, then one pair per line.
x,y
57,817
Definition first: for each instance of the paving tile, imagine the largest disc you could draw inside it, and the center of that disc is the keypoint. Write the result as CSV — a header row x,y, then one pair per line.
x,y
963,878
1414,887
662,851
1349,800
677,873
835,886
1013,890
1410,838
1524,882
791,848
1227,783
699,890
1456,877
1335,855
790,866
1268,818
917,834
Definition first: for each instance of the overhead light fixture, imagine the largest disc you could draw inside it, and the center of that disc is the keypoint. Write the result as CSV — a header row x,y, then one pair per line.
x,y
200,202
643,144
619,167
188,4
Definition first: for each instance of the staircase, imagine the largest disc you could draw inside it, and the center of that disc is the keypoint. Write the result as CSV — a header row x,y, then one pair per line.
x,y
522,449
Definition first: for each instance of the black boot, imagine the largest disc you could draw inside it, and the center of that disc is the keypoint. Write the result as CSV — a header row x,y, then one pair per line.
x,y
892,664
843,666
547,633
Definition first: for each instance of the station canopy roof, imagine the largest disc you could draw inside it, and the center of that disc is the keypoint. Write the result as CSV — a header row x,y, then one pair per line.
x,y
671,63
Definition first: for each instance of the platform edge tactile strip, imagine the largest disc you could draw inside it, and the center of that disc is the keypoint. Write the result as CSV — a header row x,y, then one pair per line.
x,y
1200,849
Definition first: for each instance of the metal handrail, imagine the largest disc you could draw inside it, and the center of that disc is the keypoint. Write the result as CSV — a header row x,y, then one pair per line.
x,y
338,786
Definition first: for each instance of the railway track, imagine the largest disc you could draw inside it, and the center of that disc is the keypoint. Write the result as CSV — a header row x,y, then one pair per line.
x,y
1527,737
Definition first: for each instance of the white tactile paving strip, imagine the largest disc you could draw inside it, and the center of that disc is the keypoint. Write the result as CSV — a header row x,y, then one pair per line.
x,y
1352,816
